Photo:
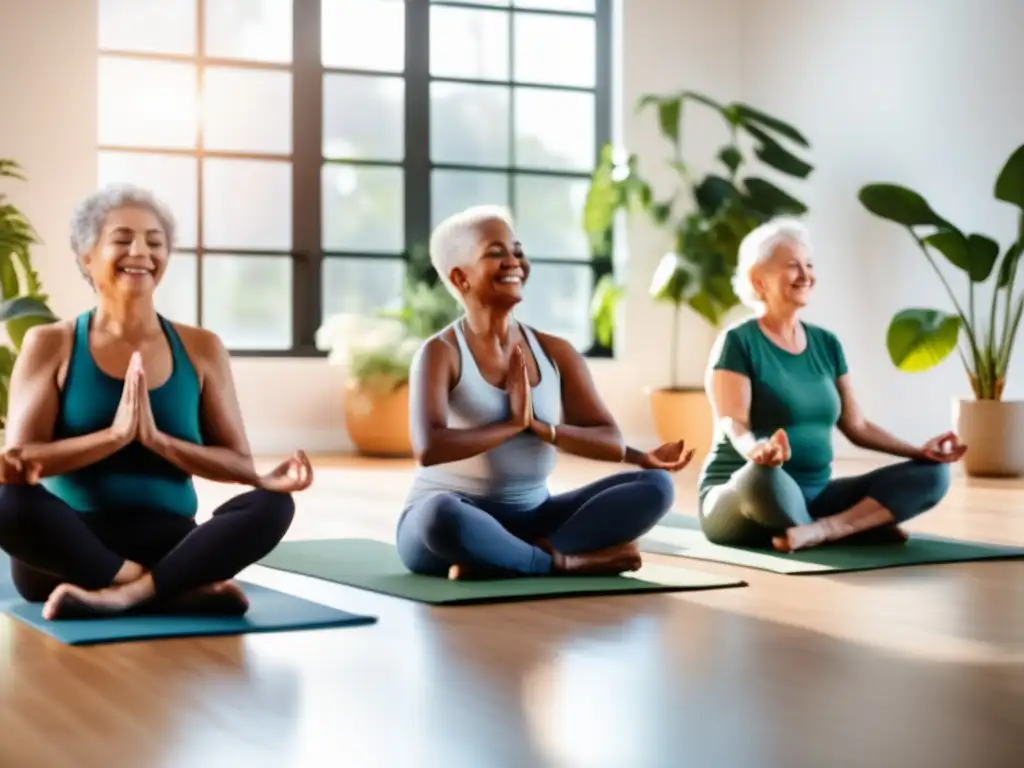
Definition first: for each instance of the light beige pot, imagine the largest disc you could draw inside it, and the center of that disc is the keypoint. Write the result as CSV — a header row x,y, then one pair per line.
x,y
993,432
683,414
378,421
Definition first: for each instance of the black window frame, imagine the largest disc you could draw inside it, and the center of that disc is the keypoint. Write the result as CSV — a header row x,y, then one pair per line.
x,y
308,73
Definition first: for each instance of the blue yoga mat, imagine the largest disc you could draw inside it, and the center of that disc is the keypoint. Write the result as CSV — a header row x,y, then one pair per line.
x,y
269,611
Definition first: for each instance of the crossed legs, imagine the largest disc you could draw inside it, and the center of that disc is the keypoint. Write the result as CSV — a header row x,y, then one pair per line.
x,y
764,507
592,529
84,564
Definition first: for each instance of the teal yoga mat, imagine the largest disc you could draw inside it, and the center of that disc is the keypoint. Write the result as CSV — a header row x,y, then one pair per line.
x,y
269,611
375,566
681,536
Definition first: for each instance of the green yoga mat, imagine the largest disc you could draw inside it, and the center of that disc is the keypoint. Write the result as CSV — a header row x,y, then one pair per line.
x,y
375,566
681,537
269,611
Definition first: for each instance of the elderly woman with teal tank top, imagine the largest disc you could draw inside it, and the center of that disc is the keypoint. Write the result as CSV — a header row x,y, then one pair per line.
x,y
492,401
779,387
111,415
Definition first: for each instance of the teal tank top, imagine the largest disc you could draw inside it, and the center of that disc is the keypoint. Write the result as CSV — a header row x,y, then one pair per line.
x,y
134,477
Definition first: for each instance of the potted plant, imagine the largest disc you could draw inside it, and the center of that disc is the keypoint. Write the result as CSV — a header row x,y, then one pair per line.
x,y
708,216
376,350
919,339
23,302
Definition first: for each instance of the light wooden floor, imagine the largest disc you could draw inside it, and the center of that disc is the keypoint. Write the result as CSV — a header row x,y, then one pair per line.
x,y
903,668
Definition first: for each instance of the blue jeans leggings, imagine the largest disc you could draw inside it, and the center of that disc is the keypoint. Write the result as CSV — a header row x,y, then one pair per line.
x,y
447,529
760,502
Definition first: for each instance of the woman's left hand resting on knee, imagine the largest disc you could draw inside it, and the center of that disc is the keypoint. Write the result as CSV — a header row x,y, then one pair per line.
x,y
945,448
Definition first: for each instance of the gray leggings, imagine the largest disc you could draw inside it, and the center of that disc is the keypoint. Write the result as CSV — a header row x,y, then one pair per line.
x,y
759,502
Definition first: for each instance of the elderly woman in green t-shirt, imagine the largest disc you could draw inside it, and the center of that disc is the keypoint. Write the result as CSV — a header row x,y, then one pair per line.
x,y
778,387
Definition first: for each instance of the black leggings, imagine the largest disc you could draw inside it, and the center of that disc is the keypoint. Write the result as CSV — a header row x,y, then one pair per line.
x,y
50,543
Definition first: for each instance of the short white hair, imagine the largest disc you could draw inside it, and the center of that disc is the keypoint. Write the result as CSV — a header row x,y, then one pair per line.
x,y
454,241
757,247
89,215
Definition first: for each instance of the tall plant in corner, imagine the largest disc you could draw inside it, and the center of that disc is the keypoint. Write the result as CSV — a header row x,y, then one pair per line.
x,y
708,215
23,302
919,339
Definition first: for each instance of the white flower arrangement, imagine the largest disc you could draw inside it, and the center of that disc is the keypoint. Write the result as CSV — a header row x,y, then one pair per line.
x,y
376,351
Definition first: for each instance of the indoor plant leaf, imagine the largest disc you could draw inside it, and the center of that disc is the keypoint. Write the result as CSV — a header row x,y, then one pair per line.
x,y
984,252
748,115
899,204
769,200
605,195
952,244
731,157
1009,264
1009,185
712,193
919,339
778,157
603,305
670,110
675,280
24,306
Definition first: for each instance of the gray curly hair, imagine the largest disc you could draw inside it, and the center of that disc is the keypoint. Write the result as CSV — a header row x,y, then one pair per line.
x,y
89,215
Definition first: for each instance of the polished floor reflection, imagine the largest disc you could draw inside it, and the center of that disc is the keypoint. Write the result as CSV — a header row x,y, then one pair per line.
x,y
907,667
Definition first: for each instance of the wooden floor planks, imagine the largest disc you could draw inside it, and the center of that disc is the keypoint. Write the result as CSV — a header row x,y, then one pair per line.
x,y
908,667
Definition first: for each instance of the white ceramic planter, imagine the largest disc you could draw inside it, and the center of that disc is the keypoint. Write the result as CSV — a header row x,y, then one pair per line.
x,y
993,432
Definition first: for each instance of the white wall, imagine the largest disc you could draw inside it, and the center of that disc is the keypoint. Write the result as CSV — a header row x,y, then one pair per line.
x,y
925,93
922,91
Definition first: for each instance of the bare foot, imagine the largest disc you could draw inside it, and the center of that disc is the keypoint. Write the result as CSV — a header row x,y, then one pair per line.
x,y
460,573
884,534
807,536
608,561
70,602
130,571
224,598
799,537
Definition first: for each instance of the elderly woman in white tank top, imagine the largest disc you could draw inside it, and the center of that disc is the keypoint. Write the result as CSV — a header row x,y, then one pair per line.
x,y
492,401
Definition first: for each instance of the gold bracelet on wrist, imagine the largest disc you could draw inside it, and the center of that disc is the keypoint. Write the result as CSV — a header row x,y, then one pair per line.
x,y
554,433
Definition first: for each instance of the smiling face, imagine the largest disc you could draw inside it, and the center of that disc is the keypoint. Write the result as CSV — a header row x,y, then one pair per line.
x,y
130,255
786,279
499,269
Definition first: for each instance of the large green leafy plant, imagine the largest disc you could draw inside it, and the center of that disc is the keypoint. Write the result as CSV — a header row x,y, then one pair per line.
x,y
23,301
708,214
377,348
919,339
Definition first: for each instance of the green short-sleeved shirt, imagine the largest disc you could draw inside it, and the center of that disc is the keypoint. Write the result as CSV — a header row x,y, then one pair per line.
x,y
795,392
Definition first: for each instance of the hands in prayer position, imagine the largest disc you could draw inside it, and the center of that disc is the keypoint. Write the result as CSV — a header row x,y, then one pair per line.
x,y
134,421
671,457
520,395
134,417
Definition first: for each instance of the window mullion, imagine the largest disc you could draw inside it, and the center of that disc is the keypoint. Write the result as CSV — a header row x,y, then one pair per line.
x,y
307,158
417,207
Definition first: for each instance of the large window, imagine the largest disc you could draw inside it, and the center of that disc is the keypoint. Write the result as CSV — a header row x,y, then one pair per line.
x,y
308,146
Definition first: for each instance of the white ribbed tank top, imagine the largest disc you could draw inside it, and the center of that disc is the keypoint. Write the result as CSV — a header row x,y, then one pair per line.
x,y
517,471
